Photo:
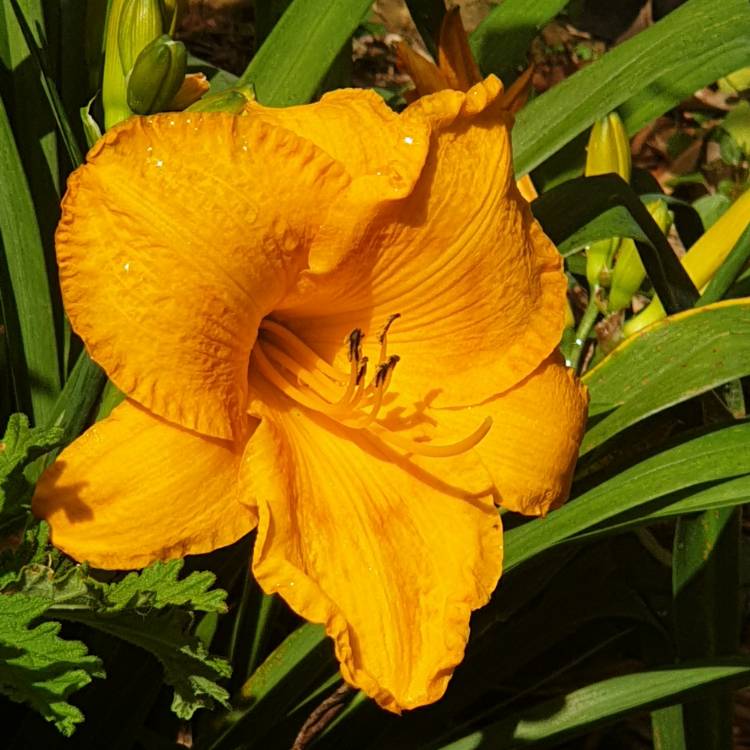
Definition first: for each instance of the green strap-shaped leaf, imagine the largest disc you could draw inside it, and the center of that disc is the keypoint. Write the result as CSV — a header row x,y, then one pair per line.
x,y
295,57
34,356
51,94
710,458
501,42
73,407
724,494
605,703
277,685
706,590
698,32
31,116
671,361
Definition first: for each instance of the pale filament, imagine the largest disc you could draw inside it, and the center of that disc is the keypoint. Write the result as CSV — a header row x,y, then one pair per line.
x,y
305,377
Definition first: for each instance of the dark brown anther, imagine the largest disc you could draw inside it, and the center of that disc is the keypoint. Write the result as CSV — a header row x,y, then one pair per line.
x,y
388,324
355,345
384,368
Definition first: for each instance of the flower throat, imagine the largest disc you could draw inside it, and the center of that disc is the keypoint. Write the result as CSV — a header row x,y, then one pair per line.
x,y
353,399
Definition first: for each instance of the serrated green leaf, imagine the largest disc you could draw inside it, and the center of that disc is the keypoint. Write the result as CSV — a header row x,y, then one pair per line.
x,y
158,585
34,549
188,667
20,446
151,609
39,668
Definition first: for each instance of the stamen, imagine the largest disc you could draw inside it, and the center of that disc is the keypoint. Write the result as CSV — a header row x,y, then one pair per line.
x,y
301,375
383,336
306,355
355,345
288,389
311,378
381,382
434,451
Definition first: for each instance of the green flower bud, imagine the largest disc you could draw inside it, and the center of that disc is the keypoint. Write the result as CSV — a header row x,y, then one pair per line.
x,y
230,100
599,256
157,76
141,22
629,272
131,25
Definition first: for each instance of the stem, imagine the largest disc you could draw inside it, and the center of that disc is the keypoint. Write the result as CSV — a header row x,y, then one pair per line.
x,y
584,329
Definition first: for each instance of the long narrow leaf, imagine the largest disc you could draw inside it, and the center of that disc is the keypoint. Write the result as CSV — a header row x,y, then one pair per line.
x,y
706,584
697,31
23,260
295,57
50,88
713,457
605,703
501,42
669,362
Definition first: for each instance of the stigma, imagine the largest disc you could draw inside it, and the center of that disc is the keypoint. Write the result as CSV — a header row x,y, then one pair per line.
x,y
354,399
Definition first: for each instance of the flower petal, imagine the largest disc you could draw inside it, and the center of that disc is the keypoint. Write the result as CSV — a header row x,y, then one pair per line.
x,y
532,449
175,240
455,58
391,559
532,446
426,76
133,489
479,287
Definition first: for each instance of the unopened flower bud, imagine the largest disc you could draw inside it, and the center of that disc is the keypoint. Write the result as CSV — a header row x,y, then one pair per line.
x,y
608,148
629,272
131,25
141,22
704,258
608,151
157,75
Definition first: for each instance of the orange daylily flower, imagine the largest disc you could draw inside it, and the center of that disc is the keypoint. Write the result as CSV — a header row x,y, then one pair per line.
x,y
457,69
240,277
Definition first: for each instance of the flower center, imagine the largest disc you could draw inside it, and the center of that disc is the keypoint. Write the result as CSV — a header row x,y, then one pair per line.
x,y
353,399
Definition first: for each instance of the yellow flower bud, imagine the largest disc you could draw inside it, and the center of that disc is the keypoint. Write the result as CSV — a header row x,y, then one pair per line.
x,y
704,257
131,25
157,75
629,272
608,151
608,148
